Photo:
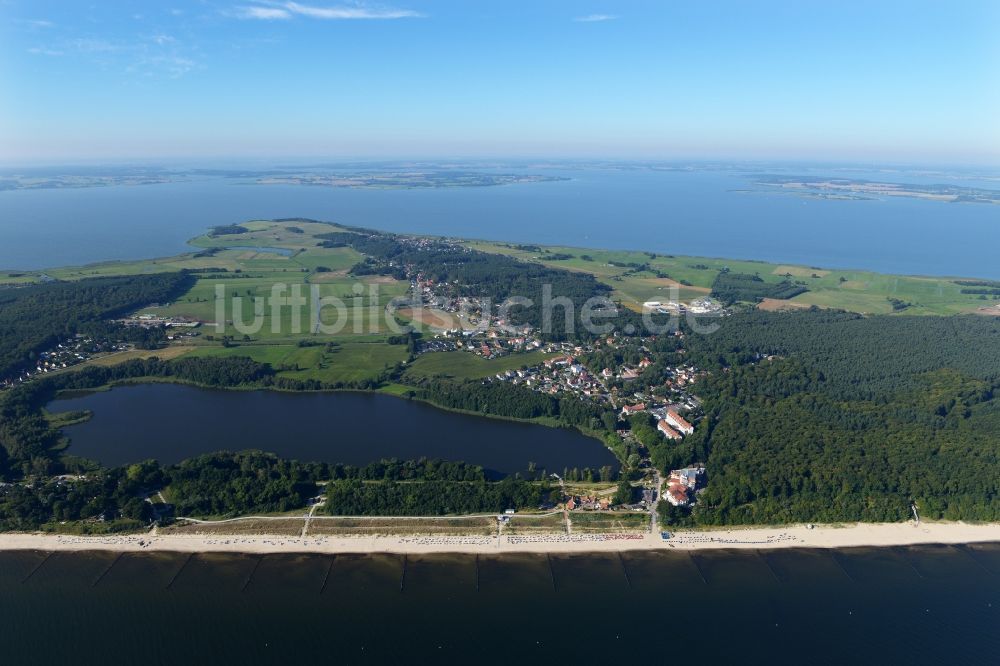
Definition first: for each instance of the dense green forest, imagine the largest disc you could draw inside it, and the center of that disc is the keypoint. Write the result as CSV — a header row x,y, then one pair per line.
x,y
228,371
512,401
826,416
229,484
37,317
732,287
219,484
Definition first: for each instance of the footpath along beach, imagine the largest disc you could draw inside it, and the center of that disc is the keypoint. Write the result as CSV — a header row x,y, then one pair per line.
x,y
792,536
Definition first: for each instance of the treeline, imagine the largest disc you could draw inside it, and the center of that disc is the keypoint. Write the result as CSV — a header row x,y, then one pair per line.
x,y
228,230
37,317
513,401
978,283
854,419
229,484
391,469
218,484
226,371
732,287
431,498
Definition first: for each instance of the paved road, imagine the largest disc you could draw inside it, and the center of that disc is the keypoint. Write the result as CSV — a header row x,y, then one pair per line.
x,y
654,518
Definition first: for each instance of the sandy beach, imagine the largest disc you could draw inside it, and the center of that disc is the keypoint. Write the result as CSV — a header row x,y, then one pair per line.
x,y
792,536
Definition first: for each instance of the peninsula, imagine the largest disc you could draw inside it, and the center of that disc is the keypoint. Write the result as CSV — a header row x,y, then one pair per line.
x,y
732,393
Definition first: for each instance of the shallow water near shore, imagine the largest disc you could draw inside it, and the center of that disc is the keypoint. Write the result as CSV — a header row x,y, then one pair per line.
x,y
894,605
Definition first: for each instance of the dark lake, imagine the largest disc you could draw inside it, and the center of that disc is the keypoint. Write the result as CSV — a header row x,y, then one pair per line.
x,y
171,422
920,605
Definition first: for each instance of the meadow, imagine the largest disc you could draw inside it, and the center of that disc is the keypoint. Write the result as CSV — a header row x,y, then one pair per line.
x,y
252,272
466,365
349,361
692,277
601,522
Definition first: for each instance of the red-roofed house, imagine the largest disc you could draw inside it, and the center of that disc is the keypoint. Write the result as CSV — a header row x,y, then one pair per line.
x,y
667,431
628,410
675,419
677,495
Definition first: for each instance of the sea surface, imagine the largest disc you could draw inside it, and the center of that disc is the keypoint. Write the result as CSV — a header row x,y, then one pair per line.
x,y
919,605
716,213
171,422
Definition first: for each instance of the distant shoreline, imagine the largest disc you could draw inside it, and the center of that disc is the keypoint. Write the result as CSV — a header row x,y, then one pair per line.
x,y
757,538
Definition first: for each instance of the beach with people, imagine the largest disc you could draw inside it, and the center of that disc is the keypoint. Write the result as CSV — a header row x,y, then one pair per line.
x,y
762,538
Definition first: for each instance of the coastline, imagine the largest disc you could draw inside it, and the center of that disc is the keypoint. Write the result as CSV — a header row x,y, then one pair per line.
x,y
857,535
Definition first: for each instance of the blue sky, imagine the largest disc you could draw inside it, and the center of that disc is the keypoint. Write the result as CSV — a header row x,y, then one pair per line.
x,y
855,81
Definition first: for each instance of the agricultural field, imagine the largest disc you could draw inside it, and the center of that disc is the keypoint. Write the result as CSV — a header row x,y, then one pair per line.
x,y
247,266
692,277
356,313
167,353
288,252
466,365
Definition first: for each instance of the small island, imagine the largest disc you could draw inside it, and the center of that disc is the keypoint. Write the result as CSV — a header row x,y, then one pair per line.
x,y
405,179
860,190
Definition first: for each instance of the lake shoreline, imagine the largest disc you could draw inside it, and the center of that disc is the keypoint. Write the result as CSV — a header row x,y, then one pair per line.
x,y
860,535
559,445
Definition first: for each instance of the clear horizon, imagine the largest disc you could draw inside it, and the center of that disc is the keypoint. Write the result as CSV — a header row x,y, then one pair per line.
x,y
914,83
319,162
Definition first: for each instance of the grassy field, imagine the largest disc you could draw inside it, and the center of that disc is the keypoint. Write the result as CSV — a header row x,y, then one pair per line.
x,y
252,272
596,522
388,526
165,354
600,489
357,314
345,362
858,291
242,526
527,524
466,365
16,278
